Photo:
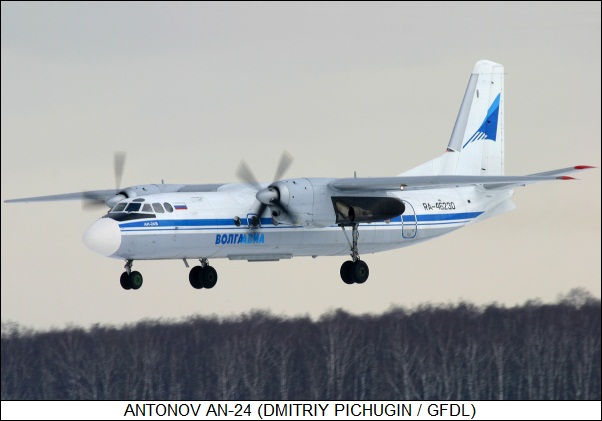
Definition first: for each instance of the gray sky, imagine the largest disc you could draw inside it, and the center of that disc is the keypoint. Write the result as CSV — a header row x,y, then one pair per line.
x,y
188,90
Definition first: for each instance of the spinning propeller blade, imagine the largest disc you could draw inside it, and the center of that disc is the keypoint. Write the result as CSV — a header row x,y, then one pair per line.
x,y
244,173
268,195
118,164
285,161
91,200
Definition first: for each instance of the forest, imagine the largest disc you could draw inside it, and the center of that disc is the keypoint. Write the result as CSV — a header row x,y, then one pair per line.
x,y
534,351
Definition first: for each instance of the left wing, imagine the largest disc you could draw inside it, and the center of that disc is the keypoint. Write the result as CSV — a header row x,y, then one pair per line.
x,y
442,181
105,196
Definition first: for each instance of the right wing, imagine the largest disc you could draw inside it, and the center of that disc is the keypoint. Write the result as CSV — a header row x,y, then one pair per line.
x,y
443,181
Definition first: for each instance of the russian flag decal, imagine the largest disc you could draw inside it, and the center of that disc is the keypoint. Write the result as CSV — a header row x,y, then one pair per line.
x,y
180,206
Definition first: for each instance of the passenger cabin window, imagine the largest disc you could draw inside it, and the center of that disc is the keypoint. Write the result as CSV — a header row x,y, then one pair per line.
x,y
158,208
168,207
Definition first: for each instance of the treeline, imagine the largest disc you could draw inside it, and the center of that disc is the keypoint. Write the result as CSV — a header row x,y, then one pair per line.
x,y
531,352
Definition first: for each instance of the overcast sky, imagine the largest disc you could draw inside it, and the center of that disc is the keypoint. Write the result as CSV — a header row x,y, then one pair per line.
x,y
189,90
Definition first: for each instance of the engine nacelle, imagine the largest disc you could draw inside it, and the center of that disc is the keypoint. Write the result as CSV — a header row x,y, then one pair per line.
x,y
134,191
312,203
302,201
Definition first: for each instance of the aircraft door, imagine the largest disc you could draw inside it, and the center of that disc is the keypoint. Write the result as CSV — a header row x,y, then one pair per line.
x,y
409,222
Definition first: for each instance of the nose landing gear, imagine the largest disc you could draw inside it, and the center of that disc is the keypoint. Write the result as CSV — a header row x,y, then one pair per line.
x,y
130,279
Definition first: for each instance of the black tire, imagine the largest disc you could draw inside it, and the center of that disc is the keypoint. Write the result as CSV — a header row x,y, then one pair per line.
x,y
208,277
346,272
194,277
125,281
135,280
359,271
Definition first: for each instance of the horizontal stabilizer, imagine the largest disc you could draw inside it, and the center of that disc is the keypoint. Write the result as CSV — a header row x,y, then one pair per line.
x,y
564,171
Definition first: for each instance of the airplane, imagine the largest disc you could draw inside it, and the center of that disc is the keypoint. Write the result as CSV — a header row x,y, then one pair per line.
x,y
305,216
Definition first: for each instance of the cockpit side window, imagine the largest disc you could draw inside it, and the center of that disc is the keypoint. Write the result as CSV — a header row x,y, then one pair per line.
x,y
119,208
146,208
133,207
168,207
158,208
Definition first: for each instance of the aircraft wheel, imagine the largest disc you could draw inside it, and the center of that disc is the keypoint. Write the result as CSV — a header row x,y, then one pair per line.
x,y
359,271
208,277
135,280
194,277
346,272
125,281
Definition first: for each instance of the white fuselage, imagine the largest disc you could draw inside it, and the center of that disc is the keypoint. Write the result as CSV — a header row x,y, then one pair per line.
x,y
204,225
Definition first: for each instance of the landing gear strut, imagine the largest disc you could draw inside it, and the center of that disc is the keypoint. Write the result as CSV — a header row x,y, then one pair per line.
x,y
203,276
354,271
130,279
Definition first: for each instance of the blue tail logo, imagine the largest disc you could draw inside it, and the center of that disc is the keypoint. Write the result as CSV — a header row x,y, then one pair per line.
x,y
488,129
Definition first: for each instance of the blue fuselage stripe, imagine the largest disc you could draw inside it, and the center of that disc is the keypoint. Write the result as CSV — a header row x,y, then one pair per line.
x,y
203,224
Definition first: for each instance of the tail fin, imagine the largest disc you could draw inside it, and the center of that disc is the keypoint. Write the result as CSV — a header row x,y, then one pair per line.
x,y
476,146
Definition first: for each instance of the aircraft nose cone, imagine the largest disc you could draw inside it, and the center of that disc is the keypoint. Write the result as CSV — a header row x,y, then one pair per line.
x,y
103,237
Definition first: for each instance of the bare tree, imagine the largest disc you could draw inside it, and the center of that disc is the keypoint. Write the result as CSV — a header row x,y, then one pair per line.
x,y
531,352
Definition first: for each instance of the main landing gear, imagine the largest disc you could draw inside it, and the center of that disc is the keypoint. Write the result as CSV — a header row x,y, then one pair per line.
x,y
203,276
354,271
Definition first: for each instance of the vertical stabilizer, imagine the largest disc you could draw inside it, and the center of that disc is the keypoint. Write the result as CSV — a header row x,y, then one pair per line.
x,y
481,141
476,145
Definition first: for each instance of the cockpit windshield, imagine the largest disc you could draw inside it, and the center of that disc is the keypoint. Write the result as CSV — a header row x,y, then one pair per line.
x,y
136,209
119,207
133,207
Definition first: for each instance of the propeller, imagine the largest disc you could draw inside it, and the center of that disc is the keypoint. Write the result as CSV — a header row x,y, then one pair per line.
x,y
92,200
285,161
244,173
266,196
118,166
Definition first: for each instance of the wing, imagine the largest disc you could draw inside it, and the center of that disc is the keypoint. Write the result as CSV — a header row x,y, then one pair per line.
x,y
86,195
104,195
442,181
